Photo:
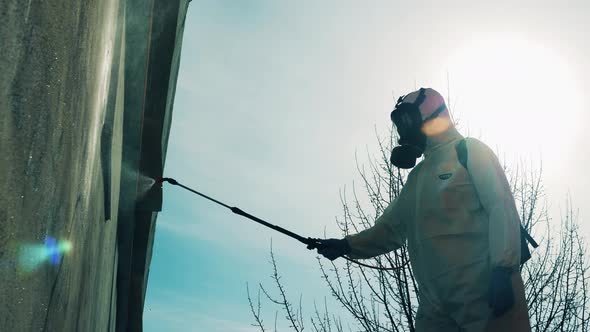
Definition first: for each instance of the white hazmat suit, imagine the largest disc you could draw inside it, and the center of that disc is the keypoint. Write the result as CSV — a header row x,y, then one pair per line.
x,y
459,224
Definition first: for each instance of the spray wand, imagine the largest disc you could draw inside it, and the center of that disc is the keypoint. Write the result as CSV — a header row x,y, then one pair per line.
x,y
311,242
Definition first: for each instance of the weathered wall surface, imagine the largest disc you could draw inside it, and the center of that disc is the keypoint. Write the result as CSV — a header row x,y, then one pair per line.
x,y
72,148
55,65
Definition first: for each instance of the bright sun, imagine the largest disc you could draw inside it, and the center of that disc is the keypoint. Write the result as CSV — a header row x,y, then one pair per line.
x,y
516,94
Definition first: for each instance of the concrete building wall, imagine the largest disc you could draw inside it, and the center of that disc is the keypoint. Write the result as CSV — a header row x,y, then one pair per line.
x,y
80,120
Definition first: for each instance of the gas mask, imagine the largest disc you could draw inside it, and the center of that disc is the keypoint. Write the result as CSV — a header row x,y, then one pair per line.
x,y
408,122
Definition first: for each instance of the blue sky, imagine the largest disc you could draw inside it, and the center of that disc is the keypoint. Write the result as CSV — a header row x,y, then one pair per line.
x,y
275,97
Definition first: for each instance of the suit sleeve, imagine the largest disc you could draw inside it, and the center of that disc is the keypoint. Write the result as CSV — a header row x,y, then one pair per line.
x,y
495,195
388,233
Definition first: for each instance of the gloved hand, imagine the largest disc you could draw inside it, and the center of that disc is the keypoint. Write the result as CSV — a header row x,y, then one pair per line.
x,y
330,248
500,293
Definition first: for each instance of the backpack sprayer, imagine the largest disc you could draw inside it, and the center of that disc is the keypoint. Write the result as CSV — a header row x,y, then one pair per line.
x,y
310,242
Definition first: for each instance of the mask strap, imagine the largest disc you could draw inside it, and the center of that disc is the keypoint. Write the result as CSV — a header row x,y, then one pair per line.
x,y
436,113
421,97
400,100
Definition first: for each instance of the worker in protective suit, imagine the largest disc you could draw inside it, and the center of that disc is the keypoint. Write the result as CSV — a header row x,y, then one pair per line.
x,y
460,223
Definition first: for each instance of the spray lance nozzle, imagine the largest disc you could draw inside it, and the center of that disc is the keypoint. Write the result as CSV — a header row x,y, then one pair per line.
x,y
169,180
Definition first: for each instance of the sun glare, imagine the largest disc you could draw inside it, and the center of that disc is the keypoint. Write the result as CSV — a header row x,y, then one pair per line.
x,y
515,93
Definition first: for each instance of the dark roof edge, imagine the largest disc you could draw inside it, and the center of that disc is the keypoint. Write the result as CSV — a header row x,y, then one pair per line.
x,y
150,87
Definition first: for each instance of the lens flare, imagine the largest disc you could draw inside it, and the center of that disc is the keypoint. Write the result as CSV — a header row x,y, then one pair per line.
x,y
32,256
65,246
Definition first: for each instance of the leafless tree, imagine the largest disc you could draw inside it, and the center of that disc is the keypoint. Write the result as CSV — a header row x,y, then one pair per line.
x,y
556,277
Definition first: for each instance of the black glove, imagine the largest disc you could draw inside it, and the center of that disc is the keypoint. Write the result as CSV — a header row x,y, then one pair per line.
x,y
500,293
330,248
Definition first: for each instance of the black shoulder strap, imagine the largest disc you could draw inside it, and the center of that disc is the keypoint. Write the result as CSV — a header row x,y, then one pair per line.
x,y
461,149
525,237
